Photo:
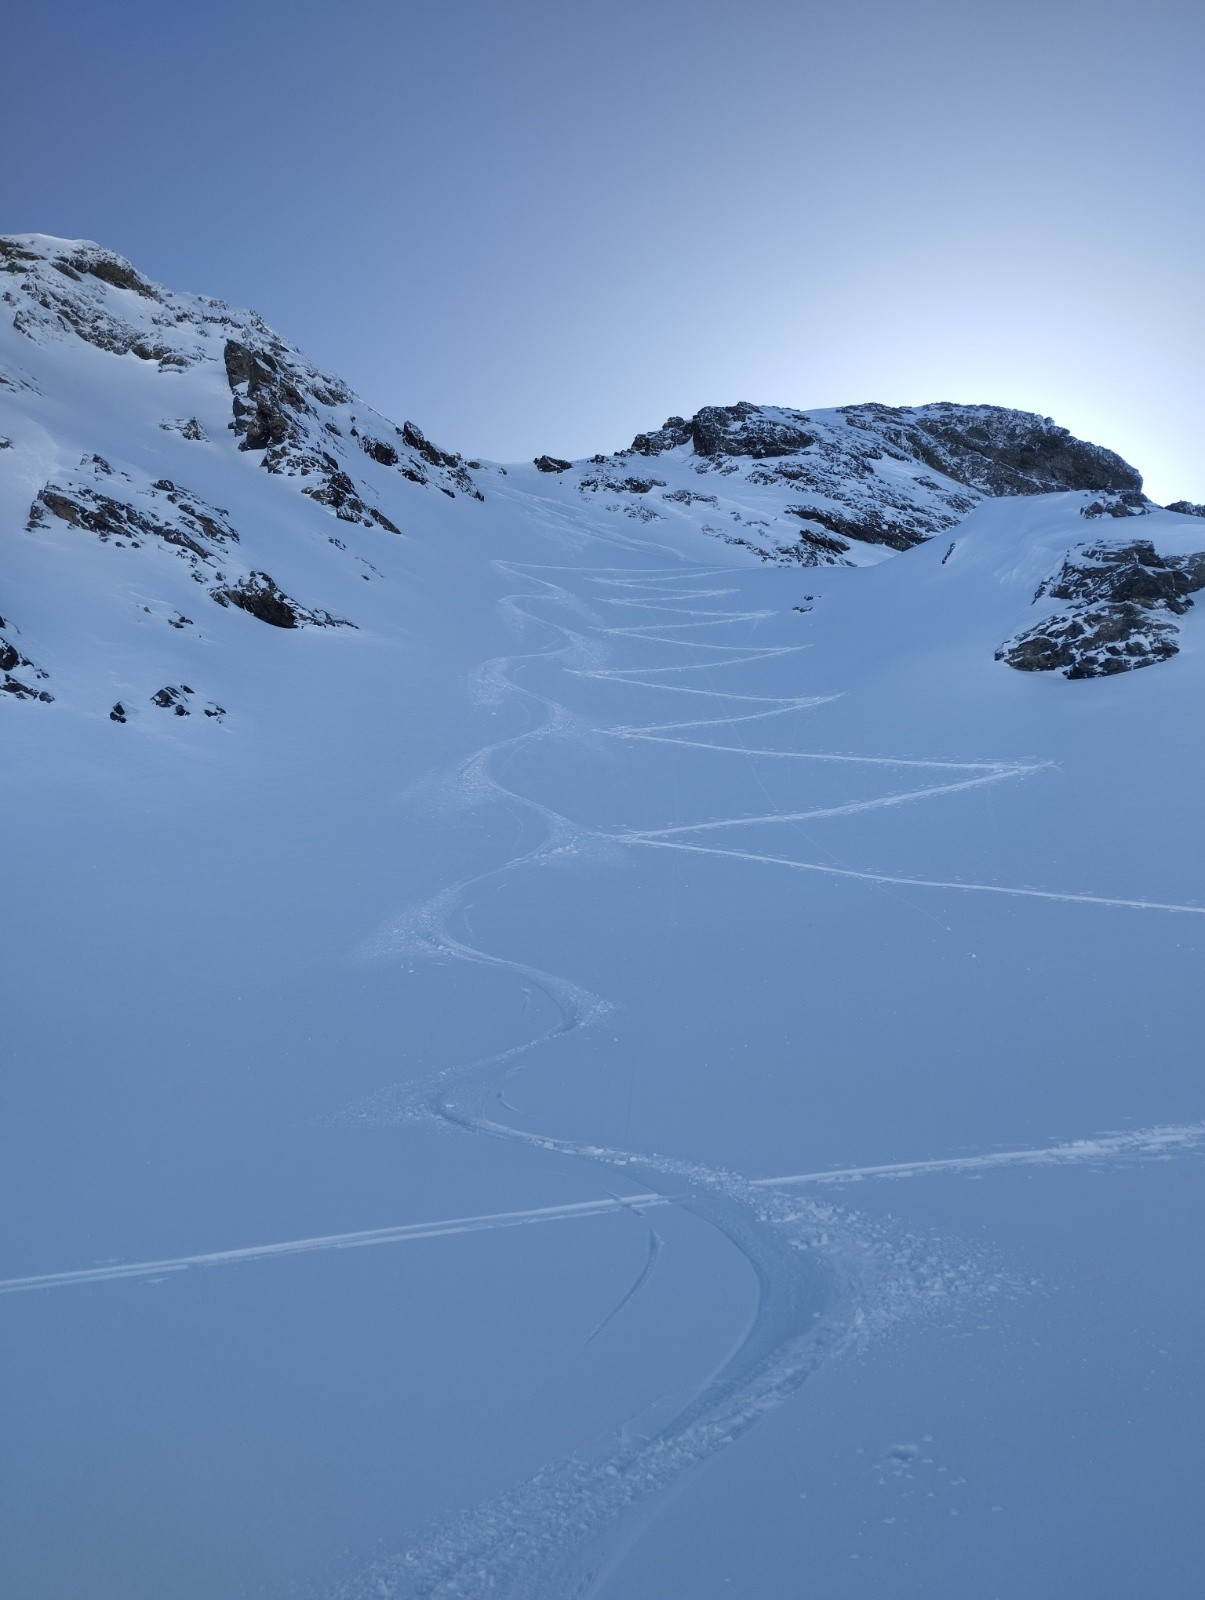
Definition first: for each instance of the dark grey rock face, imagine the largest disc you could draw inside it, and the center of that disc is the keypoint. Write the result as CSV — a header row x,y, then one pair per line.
x,y
989,448
102,501
1118,503
1187,508
871,527
278,409
13,660
1095,642
1123,599
551,464
1133,572
995,450
260,597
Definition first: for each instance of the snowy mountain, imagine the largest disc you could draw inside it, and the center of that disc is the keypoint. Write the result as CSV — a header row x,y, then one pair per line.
x,y
561,1013
133,414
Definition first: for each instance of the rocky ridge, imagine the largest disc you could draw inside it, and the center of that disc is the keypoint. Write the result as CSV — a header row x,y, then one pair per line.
x,y
829,484
66,306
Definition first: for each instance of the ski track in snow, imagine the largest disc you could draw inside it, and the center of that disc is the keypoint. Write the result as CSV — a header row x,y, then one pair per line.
x,y
1158,1143
828,1279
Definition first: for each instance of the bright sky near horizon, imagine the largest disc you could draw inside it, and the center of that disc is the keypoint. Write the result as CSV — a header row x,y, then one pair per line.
x,y
542,227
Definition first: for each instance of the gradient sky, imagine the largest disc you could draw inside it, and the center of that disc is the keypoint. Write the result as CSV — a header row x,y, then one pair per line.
x,y
535,226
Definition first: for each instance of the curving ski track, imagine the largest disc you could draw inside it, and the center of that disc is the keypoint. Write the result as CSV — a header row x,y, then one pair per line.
x,y
827,1278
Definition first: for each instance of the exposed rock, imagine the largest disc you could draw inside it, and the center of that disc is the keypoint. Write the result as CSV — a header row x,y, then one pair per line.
x,y
621,485
118,713
111,505
888,476
23,691
673,432
337,490
266,399
1095,642
551,464
11,659
58,298
259,595
687,497
169,698
381,452
109,268
872,527
747,430
187,427
431,453
1122,600
816,549
1187,508
1122,503
1132,572
995,450
860,463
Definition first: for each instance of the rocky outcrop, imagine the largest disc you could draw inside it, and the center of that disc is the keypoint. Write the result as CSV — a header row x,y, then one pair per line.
x,y
260,597
177,698
1122,599
615,485
280,408
64,291
1120,503
988,448
1094,642
995,450
551,464
1187,508
1133,572
13,661
111,504
186,427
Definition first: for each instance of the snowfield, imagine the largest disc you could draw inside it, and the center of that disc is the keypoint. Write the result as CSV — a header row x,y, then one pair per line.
x,y
645,1060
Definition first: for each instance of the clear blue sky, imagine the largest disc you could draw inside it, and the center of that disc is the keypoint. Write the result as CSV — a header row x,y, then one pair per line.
x,y
533,226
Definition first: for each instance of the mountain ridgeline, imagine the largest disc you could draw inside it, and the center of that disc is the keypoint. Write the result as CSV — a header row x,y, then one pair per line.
x,y
130,414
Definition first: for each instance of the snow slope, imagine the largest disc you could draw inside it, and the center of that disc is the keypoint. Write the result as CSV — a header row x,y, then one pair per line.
x,y
624,1068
